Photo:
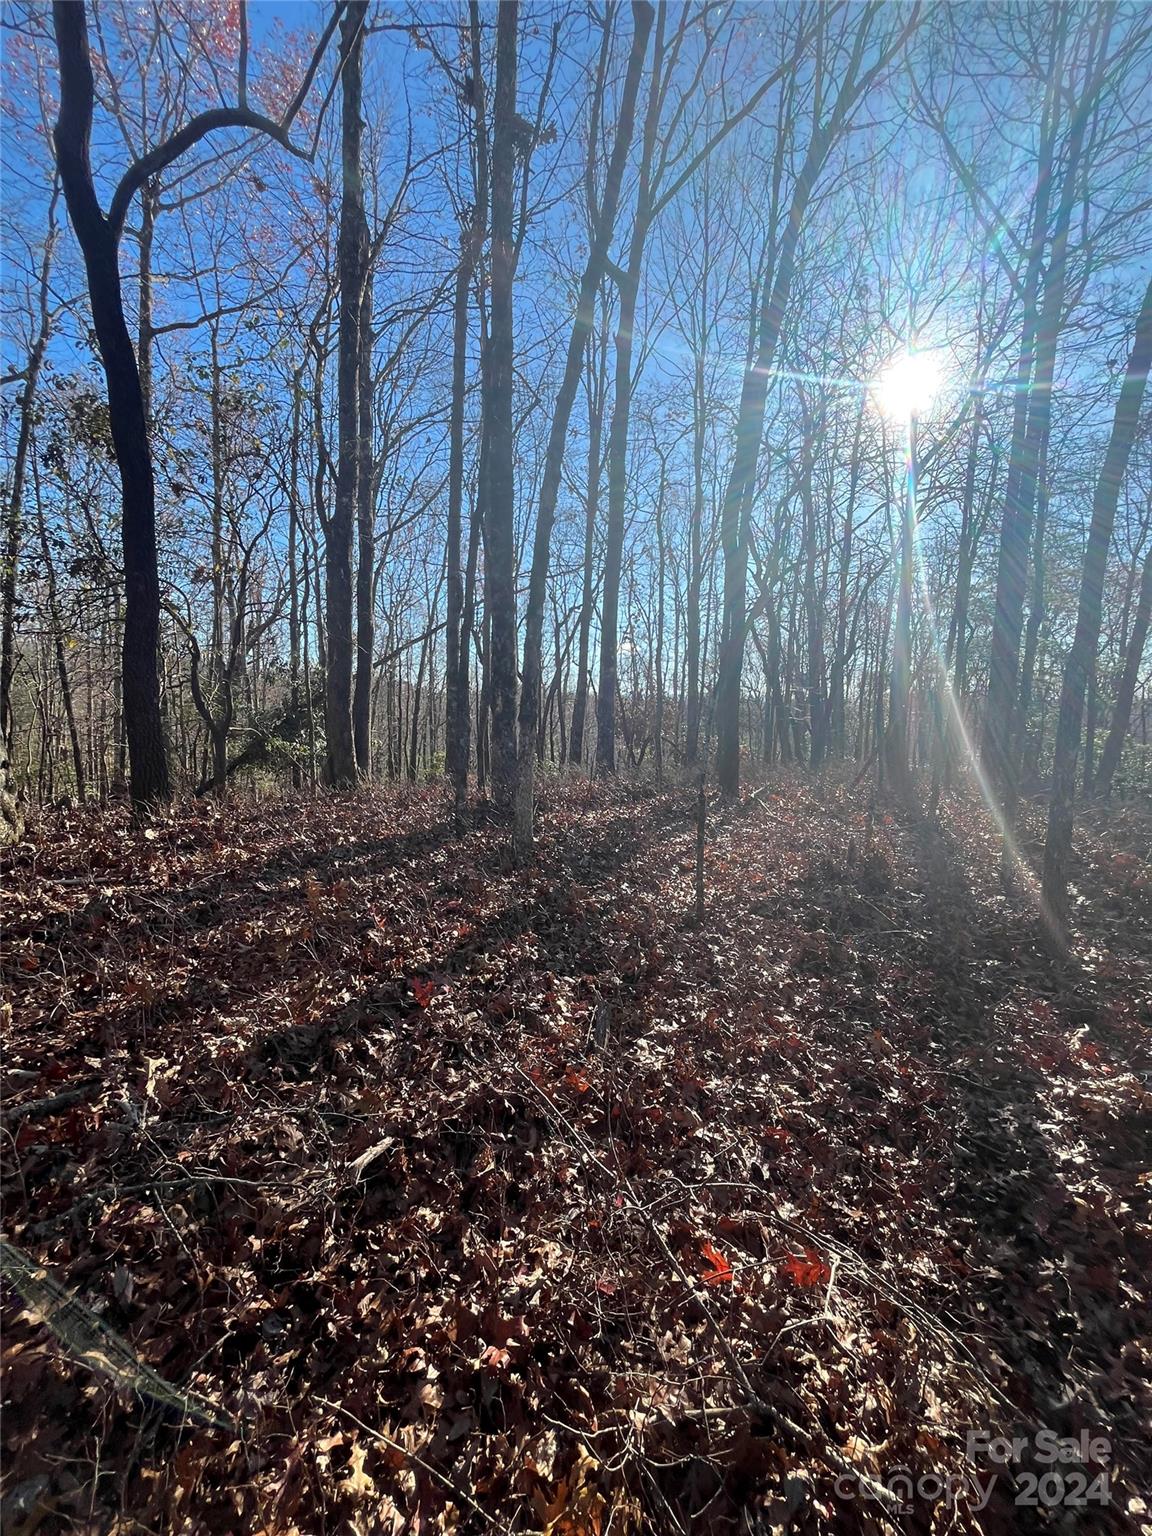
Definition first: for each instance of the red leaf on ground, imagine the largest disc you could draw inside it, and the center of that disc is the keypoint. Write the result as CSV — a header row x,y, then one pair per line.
x,y
721,1271
808,1271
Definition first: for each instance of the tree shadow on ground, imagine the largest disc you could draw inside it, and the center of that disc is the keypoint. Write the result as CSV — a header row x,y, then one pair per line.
x,y
1048,1256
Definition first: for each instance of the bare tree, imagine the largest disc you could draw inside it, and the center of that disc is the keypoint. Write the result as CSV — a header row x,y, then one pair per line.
x,y
339,530
99,237
859,55
1082,657
500,554
603,219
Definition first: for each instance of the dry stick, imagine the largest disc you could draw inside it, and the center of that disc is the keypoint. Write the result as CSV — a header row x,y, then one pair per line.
x,y
701,823
395,1445
38,1108
758,1404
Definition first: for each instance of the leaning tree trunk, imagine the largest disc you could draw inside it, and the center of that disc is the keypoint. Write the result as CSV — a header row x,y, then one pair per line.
x,y
1126,692
1082,656
455,758
628,282
695,567
604,223
737,496
608,682
1031,429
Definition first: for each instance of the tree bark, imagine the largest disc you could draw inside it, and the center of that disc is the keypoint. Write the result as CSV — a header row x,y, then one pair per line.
x,y
628,282
143,725
734,529
352,262
1126,690
57,626
457,639
294,607
1082,657
596,385
896,738
500,553
1043,319
365,537
604,223
14,510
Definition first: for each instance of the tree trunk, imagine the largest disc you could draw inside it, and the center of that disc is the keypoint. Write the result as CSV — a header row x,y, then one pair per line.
x,y
596,384
143,724
1029,747
628,282
13,512
734,529
1082,657
604,222
500,552
1043,319
1126,691
896,739
837,680
455,758
661,562
607,683
813,609
149,202
57,627
695,558
459,601
352,261
366,539
294,613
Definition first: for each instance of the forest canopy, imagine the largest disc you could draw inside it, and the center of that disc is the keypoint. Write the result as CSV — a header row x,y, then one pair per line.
x,y
489,390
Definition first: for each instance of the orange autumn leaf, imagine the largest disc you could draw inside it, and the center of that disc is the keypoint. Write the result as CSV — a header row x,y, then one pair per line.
x,y
422,991
807,1271
721,1271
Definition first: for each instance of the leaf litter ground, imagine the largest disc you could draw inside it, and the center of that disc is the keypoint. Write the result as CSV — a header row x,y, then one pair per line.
x,y
480,1198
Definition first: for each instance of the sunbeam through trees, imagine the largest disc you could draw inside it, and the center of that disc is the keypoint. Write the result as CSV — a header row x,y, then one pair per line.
x,y
576,788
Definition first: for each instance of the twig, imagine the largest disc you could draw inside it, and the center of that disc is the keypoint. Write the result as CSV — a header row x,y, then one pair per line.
x,y
395,1445
701,824
38,1108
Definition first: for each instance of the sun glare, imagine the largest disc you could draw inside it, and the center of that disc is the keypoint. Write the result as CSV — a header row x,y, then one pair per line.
x,y
908,385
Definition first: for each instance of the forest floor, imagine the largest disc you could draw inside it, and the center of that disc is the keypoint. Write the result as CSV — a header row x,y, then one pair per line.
x,y
466,1198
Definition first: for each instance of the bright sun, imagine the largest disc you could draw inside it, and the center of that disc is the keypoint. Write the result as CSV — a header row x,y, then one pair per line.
x,y
908,385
